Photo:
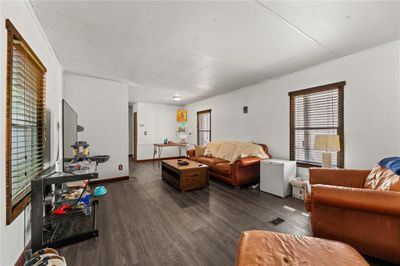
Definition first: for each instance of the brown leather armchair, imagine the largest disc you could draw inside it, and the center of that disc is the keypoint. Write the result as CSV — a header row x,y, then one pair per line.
x,y
341,209
244,171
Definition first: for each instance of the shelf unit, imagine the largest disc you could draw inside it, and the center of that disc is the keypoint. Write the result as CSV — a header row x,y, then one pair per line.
x,y
50,230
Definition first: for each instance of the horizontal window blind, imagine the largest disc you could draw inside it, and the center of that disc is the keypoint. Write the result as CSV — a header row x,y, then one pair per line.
x,y
315,111
25,120
203,127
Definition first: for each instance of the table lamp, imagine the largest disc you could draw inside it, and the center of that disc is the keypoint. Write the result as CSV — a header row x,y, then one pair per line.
x,y
328,144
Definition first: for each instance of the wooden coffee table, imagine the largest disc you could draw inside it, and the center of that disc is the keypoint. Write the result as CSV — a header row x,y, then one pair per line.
x,y
187,177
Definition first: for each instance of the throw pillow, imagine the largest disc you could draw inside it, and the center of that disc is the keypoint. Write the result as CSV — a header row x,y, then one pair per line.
x,y
384,176
199,150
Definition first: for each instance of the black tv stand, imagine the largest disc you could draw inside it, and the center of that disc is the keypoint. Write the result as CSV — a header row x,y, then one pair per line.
x,y
51,230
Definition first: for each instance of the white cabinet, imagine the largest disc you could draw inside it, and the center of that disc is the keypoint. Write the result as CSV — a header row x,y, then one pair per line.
x,y
276,175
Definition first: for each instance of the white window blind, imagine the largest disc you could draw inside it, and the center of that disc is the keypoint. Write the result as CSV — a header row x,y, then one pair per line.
x,y
25,119
315,111
203,127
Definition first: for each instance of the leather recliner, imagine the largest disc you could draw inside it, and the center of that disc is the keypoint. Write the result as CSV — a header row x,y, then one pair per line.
x,y
242,172
341,209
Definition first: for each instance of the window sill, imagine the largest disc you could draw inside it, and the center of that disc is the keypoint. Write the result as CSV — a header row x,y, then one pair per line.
x,y
310,165
307,165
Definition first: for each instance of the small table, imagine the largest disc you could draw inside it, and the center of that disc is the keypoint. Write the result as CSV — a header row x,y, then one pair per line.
x,y
186,177
159,146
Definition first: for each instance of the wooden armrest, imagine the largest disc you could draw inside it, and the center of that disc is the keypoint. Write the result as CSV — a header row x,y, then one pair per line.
x,y
338,177
384,202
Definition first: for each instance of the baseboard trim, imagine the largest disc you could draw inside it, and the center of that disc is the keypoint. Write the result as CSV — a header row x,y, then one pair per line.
x,y
21,259
109,180
156,159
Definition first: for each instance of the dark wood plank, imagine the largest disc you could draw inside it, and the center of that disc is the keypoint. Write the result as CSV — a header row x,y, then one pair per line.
x,y
144,221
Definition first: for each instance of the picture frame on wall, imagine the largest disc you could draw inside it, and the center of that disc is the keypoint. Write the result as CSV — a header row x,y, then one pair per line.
x,y
181,115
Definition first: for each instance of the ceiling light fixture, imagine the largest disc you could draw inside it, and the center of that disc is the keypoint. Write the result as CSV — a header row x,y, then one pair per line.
x,y
177,98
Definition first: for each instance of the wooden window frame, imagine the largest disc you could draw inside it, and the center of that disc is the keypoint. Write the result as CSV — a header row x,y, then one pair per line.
x,y
12,33
340,130
198,127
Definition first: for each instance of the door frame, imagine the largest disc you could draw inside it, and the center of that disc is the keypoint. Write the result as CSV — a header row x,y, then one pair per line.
x,y
135,130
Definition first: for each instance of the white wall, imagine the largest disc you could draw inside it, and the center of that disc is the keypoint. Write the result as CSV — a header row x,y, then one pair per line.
x,y
159,122
102,108
13,238
372,116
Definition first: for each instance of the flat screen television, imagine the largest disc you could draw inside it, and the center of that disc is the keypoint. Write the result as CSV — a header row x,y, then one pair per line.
x,y
47,145
69,129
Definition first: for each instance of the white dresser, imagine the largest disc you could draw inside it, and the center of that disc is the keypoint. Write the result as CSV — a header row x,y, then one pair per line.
x,y
275,176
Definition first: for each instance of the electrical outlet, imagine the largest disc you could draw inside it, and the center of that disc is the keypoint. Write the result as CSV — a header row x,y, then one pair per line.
x,y
120,167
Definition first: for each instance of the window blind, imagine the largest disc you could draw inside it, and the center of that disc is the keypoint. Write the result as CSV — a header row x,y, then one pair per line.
x,y
315,111
25,120
203,127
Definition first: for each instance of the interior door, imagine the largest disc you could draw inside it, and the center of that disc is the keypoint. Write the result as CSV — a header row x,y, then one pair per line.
x,y
135,136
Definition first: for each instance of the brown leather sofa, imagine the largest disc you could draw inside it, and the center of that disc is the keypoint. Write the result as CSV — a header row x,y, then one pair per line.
x,y
341,209
276,249
244,171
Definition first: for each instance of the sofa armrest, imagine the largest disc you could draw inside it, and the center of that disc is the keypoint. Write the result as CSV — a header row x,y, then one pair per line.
x,y
265,148
191,153
248,161
338,177
383,202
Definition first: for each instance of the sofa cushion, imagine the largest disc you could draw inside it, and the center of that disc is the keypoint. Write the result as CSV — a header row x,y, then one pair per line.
x,y
222,168
271,248
208,160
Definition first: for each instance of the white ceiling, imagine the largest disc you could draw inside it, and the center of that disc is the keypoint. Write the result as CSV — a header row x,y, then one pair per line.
x,y
199,49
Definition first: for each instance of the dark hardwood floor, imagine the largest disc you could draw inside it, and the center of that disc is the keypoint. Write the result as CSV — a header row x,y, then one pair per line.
x,y
144,221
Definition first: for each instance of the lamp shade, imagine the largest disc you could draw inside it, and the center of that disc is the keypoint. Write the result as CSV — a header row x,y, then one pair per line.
x,y
327,142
